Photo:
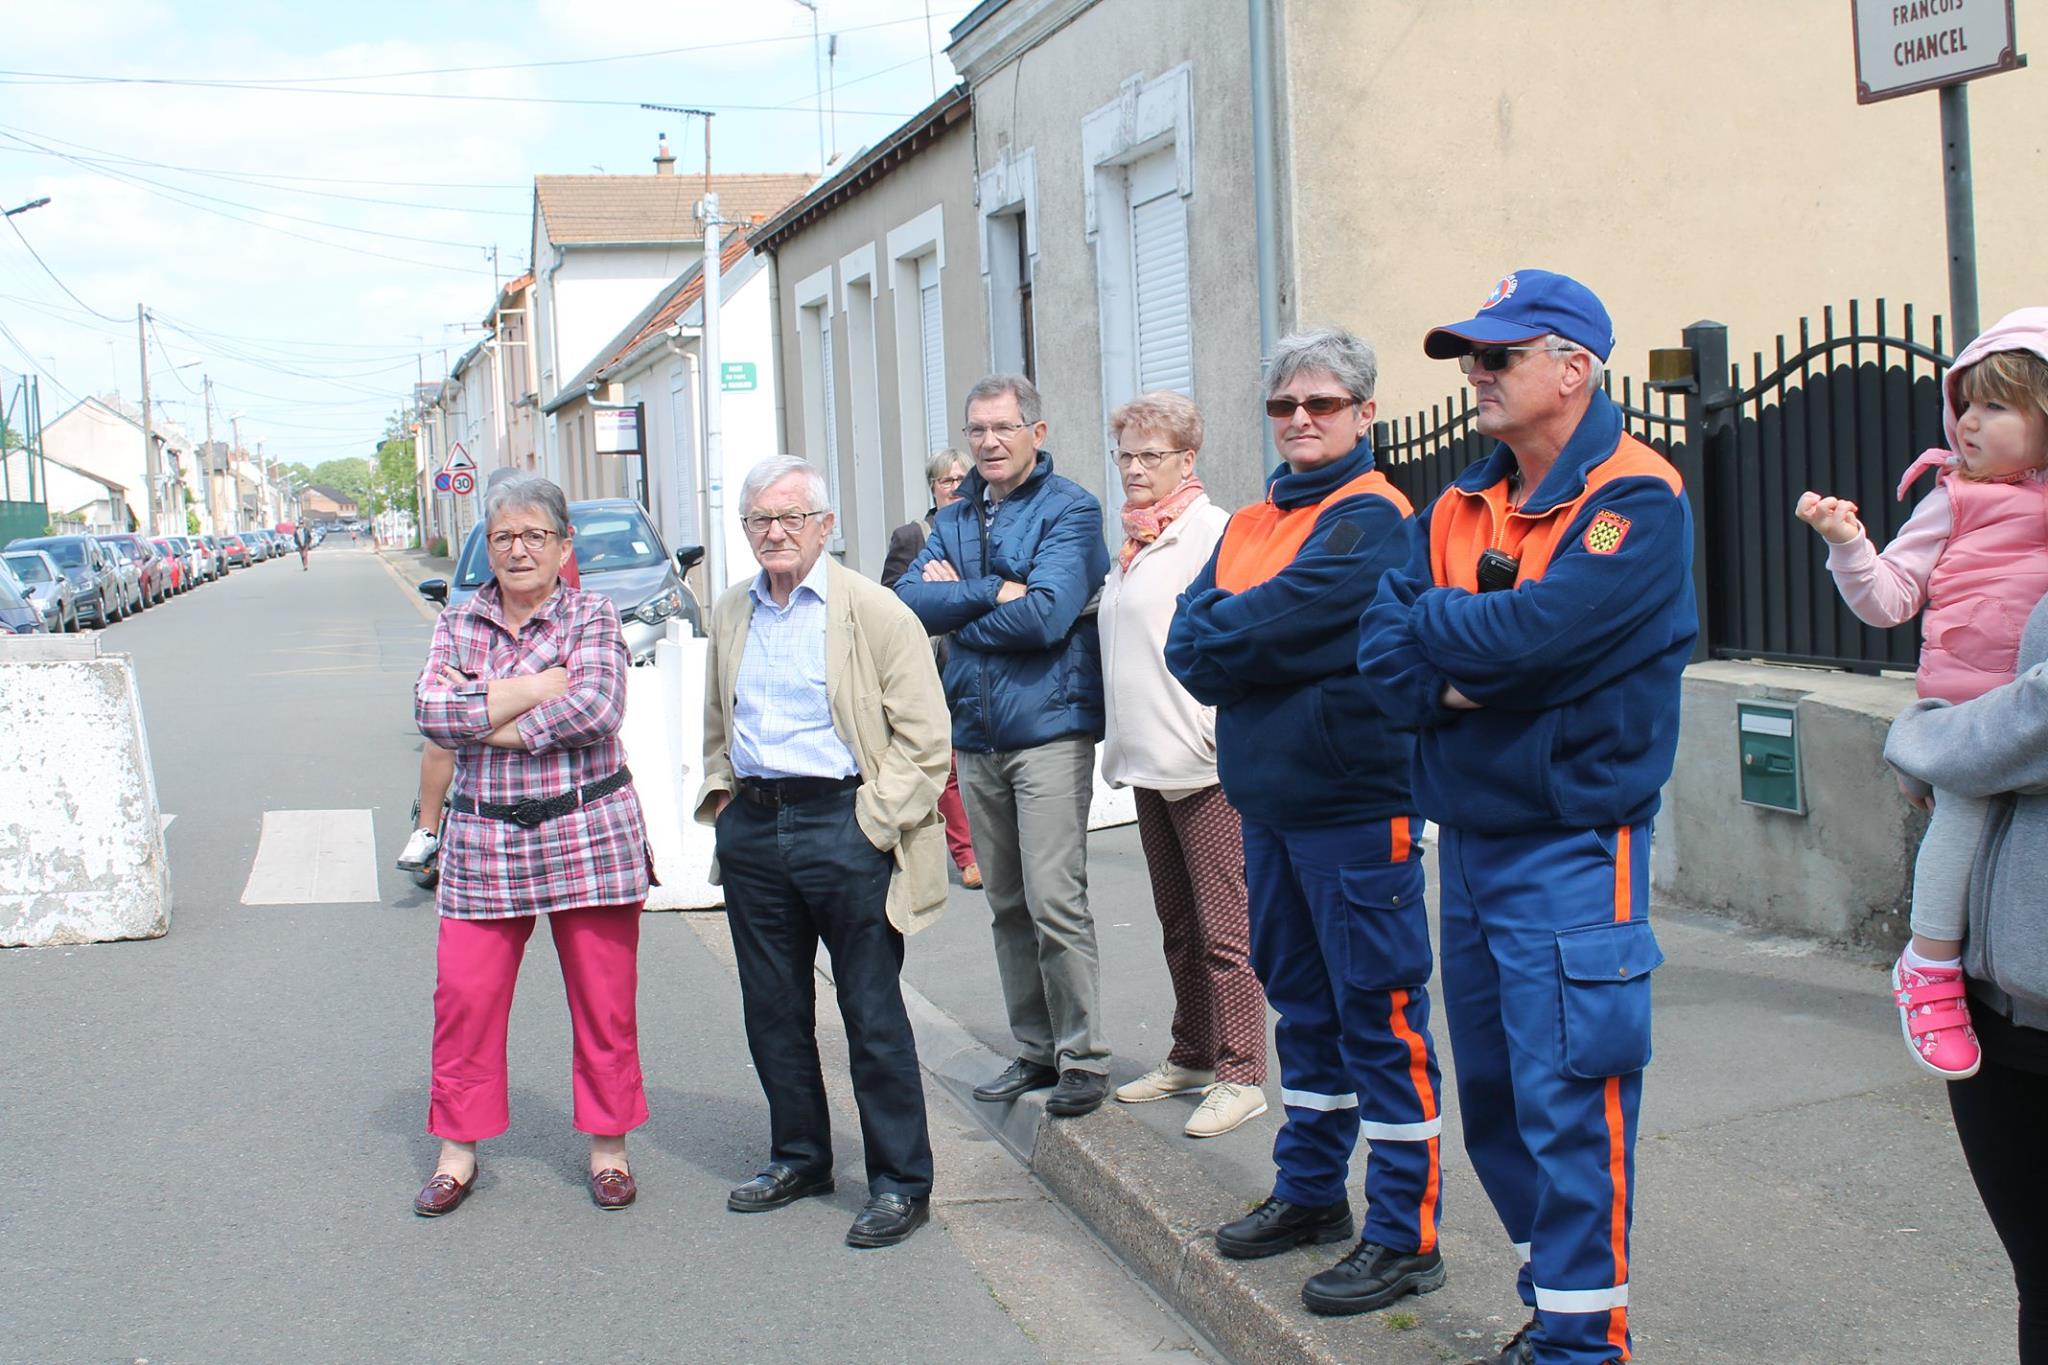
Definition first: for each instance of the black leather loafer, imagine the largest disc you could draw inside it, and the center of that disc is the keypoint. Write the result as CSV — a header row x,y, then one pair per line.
x,y
1079,1092
1018,1078
1277,1225
889,1219
1372,1276
776,1186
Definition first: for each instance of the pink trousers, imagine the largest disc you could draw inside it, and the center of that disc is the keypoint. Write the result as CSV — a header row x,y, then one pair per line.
x,y
477,966
958,839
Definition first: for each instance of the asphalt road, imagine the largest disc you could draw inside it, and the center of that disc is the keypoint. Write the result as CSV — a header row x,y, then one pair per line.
x,y
209,1143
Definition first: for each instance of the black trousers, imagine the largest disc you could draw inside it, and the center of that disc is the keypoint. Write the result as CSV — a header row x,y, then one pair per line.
x,y
795,875
2000,1115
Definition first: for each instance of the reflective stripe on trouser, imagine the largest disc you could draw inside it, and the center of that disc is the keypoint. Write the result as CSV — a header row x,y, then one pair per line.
x,y
1547,954
1340,940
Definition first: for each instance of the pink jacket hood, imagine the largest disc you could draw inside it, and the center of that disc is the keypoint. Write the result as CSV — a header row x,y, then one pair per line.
x,y
2023,329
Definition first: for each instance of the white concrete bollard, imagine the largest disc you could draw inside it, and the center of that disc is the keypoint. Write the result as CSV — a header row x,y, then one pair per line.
x,y
81,838
664,739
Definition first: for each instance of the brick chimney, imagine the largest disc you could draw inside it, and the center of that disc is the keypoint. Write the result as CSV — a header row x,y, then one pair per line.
x,y
664,164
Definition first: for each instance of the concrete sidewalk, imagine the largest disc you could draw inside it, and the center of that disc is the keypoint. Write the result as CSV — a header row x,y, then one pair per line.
x,y
1801,1196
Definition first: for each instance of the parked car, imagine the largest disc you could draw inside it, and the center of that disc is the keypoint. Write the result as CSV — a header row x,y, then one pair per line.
x,y
95,575
618,553
173,562
152,576
217,553
44,584
18,615
187,550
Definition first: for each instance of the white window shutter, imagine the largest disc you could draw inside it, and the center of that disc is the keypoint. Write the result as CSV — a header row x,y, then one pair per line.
x,y
932,333
830,390
689,527
1159,252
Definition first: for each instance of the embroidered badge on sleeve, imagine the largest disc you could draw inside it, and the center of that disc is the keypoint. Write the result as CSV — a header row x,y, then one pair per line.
x,y
1606,533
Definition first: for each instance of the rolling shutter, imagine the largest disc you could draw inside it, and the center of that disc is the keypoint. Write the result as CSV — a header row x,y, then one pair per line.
x,y
1159,254
932,334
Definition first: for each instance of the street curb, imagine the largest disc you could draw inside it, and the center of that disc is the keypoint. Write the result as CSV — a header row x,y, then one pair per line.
x,y
410,590
1158,1209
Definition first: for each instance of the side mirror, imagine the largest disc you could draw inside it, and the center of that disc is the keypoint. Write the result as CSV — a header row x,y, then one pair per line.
x,y
435,590
689,557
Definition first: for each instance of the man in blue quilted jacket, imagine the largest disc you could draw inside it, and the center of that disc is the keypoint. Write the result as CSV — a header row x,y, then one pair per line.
x,y
1009,574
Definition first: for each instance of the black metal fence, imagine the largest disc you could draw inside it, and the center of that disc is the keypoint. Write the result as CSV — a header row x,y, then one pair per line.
x,y
1844,413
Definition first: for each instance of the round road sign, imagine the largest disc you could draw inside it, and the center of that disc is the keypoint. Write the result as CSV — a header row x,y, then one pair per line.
x,y
463,481
441,481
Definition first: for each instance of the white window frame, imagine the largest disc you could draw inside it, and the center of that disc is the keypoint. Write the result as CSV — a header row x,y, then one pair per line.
x,y
909,246
1008,198
812,296
1146,117
857,305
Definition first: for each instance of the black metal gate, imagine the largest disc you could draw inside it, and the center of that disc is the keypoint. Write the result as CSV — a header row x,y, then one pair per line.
x,y
1842,414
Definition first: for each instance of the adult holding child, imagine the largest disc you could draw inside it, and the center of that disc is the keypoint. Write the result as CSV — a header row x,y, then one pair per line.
x,y
1971,561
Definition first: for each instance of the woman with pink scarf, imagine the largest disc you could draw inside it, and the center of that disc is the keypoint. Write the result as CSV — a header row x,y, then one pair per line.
x,y
1162,743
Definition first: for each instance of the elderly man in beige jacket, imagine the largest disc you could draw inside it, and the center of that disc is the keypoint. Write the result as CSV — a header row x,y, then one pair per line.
x,y
825,750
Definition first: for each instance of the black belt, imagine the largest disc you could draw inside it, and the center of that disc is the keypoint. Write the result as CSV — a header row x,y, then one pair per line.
x,y
535,810
790,791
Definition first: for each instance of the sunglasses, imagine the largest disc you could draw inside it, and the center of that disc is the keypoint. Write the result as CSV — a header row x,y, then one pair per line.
x,y
1493,359
1322,405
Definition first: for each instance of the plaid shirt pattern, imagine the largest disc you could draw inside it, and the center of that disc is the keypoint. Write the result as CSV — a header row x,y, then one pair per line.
x,y
596,854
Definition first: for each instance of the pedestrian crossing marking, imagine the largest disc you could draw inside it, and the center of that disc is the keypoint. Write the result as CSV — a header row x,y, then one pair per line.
x,y
314,857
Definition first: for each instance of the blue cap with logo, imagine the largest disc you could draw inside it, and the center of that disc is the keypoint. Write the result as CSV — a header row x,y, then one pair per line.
x,y
1523,306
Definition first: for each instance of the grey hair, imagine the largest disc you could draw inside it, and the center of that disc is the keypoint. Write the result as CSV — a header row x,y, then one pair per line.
x,y
1029,408
526,490
1596,372
1346,358
774,470
941,464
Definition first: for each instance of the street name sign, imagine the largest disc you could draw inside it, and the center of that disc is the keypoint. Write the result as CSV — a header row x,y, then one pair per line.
x,y
1905,46
737,376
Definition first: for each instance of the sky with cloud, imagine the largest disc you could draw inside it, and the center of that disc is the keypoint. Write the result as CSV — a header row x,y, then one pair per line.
x,y
307,197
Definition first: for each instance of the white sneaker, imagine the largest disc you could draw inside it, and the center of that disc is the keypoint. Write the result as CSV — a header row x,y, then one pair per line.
x,y
421,846
1164,1080
1228,1105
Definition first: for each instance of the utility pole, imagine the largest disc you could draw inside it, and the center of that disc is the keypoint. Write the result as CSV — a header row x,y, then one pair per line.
x,y
235,479
148,422
212,479
714,456
818,75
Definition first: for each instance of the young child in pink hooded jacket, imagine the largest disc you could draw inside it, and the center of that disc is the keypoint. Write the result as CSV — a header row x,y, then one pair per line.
x,y
1971,561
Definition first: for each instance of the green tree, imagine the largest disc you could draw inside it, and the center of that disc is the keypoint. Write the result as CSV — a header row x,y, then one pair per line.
x,y
395,485
351,476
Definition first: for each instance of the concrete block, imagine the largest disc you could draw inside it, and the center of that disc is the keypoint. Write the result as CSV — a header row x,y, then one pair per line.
x,y
1844,869
664,738
81,842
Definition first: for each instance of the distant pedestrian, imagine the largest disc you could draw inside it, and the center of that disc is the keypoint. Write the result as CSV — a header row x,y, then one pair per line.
x,y
1010,574
526,684
944,472
1995,749
824,753
1535,646
1971,562
1268,634
1161,742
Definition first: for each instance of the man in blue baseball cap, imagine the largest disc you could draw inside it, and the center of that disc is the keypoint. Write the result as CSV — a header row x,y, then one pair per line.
x,y
1534,644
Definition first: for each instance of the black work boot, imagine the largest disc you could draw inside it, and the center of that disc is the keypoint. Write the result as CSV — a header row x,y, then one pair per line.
x,y
1372,1276
1276,1225
1520,1350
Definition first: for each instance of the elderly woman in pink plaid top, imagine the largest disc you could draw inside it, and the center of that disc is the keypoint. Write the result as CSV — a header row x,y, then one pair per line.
x,y
526,683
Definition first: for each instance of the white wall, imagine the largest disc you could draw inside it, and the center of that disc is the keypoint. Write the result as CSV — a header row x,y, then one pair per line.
x,y
98,441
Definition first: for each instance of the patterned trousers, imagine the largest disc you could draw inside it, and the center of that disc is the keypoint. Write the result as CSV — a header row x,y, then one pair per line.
x,y
1194,849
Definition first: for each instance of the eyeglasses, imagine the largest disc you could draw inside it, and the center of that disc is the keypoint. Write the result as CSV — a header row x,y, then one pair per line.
x,y
757,523
1002,431
1496,359
950,481
534,540
1322,405
1148,459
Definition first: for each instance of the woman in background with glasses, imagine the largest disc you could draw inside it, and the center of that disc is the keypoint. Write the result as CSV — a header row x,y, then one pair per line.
x,y
1268,634
1161,742
945,471
526,683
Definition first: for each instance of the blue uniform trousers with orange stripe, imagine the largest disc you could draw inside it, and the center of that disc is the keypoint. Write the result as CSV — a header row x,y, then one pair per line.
x,y
1340,941
1547,955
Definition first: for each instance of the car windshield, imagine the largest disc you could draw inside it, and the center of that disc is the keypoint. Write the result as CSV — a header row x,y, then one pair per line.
x,y
69,554
29,568
475,569
119,548
612,537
